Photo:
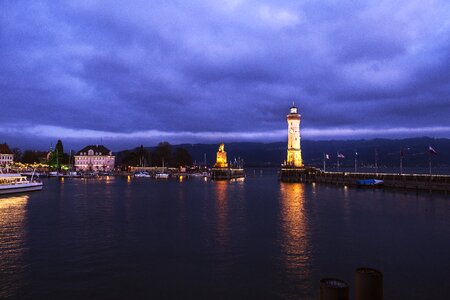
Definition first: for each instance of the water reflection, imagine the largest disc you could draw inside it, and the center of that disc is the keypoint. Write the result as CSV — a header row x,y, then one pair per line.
x,y
12,246
295,239
221,212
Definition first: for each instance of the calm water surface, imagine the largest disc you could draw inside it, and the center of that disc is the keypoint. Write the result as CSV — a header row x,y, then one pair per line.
x,y
140,238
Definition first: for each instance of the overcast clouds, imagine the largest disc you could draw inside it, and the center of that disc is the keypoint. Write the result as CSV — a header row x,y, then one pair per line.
x,y
190,71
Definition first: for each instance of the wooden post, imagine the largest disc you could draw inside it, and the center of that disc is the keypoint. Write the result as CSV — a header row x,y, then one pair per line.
x,y
333,289
369,284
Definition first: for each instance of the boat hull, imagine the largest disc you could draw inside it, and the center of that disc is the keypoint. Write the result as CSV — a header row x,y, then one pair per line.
x,y
21,189
369,183
162,176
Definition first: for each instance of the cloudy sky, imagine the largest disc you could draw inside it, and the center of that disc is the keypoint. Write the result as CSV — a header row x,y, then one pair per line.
x,y
126,73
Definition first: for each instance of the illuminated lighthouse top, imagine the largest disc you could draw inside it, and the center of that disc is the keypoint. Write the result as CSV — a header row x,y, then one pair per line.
x,y
294,152
293,109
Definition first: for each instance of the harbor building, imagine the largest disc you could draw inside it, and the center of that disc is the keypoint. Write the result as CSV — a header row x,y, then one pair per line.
x,y
294,151
6,155
94,158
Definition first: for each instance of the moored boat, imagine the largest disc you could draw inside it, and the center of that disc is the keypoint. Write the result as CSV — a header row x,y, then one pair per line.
x,y
16,183
162,175
369,182
142,174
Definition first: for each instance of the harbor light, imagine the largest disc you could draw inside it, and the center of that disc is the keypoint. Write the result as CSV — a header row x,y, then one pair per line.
x,y
294,152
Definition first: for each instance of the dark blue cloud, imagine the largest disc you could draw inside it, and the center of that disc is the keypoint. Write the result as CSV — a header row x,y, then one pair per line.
x,y
229,69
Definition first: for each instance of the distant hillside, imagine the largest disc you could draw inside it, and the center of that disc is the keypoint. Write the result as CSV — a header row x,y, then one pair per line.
x,y
415,151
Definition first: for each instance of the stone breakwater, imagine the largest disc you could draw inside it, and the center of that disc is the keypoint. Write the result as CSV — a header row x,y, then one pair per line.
x,y
417,182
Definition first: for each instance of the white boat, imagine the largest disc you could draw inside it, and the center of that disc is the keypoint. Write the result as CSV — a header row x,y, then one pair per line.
x,y
161,175
141,174
72,174
55,174
16,183
30,174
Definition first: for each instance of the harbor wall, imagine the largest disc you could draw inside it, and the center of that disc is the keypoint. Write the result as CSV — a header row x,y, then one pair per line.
x,y
399,181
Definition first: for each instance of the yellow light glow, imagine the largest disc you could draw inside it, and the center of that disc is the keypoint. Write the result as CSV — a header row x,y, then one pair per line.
x,y
180,178
13,229
295,237
294,152
221,159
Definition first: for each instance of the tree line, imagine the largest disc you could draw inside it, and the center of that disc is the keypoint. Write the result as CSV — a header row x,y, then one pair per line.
x,y
55,158
138,157
163,153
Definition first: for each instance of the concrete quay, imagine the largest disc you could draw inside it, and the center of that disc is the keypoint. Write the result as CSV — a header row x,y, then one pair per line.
x,y
412,182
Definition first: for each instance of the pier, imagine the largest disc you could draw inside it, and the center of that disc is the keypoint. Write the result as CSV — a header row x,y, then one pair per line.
x,y
226,173
412,182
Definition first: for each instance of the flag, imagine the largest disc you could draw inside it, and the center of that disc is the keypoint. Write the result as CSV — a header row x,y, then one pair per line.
x,y
327,156
432,151
340,155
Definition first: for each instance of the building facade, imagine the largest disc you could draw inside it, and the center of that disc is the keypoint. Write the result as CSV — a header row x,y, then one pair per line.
x,y
94,158
294,151
6,155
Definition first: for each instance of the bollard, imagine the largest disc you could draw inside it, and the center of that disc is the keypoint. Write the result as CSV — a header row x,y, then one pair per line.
x,y
333,289
369,284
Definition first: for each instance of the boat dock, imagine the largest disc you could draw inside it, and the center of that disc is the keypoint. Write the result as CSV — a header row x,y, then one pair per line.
x,y
411,182
226,173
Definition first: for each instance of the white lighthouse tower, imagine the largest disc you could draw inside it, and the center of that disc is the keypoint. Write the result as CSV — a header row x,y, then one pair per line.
x,y
294,151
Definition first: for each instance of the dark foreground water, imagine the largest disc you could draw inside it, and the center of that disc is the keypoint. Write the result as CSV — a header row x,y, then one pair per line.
x,y
122,238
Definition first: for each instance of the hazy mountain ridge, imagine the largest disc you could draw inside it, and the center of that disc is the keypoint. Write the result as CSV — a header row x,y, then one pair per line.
x,y
416,153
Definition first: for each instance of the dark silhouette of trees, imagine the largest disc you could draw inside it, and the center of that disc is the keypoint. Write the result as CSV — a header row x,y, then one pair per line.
x,y
182,157
31,157
141,157
163,152
58,157
17,154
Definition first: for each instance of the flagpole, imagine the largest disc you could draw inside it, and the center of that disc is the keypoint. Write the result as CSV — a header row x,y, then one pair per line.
x,y
338,163
356,163
429,162
324,162
376,161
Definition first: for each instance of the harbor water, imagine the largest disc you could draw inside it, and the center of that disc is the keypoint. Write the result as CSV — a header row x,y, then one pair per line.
x,y
140,238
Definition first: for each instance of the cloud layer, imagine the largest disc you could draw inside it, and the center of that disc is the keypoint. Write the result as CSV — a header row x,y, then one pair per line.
x,y
226,68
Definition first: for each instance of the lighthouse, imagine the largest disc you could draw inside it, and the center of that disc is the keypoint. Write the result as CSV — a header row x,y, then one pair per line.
x,y
294,151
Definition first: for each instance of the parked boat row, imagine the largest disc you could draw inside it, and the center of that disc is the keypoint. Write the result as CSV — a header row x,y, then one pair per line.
x,y
167,175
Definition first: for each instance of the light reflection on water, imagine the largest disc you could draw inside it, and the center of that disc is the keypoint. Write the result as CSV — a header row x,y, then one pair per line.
x,y
295,236
12,245
258,239
221,210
